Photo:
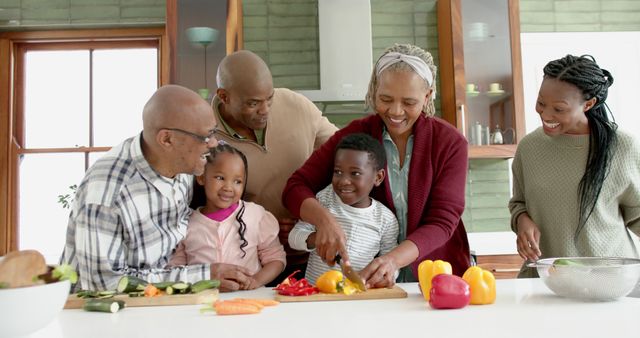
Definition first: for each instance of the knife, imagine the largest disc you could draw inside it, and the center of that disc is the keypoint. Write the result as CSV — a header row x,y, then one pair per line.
x,y
351,274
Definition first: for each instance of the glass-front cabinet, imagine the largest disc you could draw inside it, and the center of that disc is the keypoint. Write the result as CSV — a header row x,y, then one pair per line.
x,y
481,73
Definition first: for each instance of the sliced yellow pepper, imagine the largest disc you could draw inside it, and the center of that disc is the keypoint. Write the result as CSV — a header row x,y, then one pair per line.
x,y
482,284
427,270
349,288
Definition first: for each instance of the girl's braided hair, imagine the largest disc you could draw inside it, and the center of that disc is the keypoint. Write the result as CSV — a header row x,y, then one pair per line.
x,y
594,82
226,148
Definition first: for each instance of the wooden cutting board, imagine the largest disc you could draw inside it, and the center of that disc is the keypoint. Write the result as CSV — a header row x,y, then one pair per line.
x,y
383,293
203,297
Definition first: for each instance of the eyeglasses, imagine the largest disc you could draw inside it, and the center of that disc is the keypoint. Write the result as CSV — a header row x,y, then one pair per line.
x,y
203,139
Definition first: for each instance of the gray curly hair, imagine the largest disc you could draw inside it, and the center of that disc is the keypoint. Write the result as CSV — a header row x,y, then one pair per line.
x,y
429,109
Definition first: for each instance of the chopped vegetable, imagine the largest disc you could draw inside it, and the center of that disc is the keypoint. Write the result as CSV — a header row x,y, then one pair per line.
x,y
181,287
449,292
204,285
95,294
162,285
429,269
136,294
482,284
333,281
349,287
128,284
151,291
65,272
103,305
293,287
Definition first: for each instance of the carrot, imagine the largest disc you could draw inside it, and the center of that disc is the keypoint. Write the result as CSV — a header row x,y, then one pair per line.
x,y
263,302
229,307
248,301
150,290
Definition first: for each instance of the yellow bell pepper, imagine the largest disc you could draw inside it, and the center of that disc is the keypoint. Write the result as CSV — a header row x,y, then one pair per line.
x,y
349,288
427,270
482,284
331,281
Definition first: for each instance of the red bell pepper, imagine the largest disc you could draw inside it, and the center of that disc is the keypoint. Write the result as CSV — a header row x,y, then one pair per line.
x,y
293,287
449,292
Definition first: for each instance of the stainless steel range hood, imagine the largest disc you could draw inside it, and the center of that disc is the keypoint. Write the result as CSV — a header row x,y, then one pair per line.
x,y
345,50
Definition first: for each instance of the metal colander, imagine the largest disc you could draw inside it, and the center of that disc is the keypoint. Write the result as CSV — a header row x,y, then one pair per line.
x,y
590,278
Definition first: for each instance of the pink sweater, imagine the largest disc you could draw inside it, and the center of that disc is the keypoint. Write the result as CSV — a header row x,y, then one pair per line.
x,y
208,241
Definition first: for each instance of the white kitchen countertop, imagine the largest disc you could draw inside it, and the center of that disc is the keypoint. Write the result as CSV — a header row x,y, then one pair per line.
x,y
523,308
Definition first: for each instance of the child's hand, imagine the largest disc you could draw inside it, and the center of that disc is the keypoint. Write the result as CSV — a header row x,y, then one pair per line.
x,y
232,277
253,284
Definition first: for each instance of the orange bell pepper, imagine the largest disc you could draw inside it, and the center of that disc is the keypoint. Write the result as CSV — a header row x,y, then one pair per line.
x,y
427,270
482,284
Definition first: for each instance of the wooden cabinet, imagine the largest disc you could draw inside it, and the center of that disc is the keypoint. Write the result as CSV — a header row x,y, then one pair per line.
x,y
481,73
502,266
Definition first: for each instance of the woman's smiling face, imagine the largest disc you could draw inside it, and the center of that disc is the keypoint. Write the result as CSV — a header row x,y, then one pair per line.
x,y
400,98
562,108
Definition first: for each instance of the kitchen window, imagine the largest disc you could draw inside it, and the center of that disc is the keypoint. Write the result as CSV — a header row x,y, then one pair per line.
x,y
73,100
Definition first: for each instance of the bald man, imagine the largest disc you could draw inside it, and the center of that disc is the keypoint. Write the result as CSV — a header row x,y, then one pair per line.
x,y
131,209
277,129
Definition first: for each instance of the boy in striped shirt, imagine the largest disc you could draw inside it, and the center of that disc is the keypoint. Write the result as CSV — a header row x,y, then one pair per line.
x,y
371,229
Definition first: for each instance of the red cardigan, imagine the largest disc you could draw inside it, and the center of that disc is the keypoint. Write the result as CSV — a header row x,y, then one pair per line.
x,y
437,180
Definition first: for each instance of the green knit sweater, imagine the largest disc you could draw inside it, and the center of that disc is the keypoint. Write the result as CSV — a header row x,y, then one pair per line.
x,y
546,174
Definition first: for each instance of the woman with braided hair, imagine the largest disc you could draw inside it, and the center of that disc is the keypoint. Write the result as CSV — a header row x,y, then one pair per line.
x,y
426,173
576,179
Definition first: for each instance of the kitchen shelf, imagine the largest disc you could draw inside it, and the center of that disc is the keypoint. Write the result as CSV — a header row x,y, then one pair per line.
x,y
492,151
487,32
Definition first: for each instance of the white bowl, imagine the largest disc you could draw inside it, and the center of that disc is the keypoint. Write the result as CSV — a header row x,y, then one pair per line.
x,y
28,309
590,278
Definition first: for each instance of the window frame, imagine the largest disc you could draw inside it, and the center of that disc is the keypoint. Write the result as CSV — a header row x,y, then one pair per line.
x,y
13,46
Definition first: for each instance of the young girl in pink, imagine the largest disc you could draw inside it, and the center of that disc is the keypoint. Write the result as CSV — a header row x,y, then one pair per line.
x,y
228,229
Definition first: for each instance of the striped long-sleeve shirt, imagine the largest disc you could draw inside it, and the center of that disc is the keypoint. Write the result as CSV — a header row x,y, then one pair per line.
x,y
370,232
127,219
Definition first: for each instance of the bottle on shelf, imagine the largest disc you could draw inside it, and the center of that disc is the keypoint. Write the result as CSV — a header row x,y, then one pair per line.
x,y
496,136
486,136
476,134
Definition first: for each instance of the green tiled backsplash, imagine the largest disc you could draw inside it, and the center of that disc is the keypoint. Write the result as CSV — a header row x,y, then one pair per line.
x,y
487,196
285,34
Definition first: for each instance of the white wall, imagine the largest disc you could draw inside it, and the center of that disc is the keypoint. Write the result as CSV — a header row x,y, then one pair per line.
x,y
618,52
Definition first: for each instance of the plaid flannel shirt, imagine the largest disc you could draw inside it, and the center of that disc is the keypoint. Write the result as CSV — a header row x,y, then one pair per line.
x,y
127,220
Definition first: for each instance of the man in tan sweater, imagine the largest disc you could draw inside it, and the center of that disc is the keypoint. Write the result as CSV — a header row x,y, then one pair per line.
x,y
277,129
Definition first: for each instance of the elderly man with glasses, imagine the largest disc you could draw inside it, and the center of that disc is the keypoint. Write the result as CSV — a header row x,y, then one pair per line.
x,y
132,207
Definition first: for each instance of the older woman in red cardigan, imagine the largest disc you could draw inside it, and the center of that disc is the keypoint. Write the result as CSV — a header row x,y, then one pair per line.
x,y
426,173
